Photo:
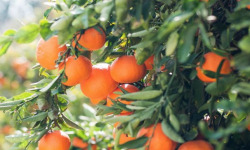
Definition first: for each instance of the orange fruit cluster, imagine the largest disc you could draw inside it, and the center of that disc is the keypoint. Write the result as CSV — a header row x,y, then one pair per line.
x,y
75,69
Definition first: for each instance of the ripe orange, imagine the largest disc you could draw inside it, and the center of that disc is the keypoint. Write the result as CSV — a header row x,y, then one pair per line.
x,y
2,79
128,87
212,62
125,69
196,145
47,52
92,39
99,84
159,140
248,126
149,63
76,70
77,142
56,140
21,66
6,130
97,100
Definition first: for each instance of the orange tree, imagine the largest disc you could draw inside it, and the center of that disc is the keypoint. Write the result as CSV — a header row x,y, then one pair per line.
x,y
197,87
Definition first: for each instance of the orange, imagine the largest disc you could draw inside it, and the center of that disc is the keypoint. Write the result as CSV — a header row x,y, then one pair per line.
x,y
92,39
7,129
248,126
128,87
2,79
159,140
77,142
76,70
97,100
149,63
196,145
93,147
123,138
47,52
212,62
56,140
99,84
248,7
21,66
125,69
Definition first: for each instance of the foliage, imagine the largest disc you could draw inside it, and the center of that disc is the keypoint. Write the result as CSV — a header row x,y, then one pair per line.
x,y
178,34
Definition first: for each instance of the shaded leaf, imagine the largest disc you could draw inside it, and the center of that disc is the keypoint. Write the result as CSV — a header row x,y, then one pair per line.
x,y
27,34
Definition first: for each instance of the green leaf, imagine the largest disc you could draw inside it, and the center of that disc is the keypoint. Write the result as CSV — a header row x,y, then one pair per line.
x,y
186,43
27,34
242,87
38,117
11,103
47,12
142,54
50,85
4,47
244,44
6,107
89,111
45,31
63,23
242,4
198,92
18,137
143,95
71,123
173,22
171,133
106,8
172,43
119,119
204,36
142,33
174,122
4,39
10,32
121,8
137,143
85,20
221,86
191,135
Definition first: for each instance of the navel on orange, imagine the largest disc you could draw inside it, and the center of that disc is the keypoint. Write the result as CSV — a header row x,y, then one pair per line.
x,y
47,52
76,69
125,69
92,39
212,62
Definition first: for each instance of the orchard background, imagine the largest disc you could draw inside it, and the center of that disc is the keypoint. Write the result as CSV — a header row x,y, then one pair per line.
x,y
174,72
